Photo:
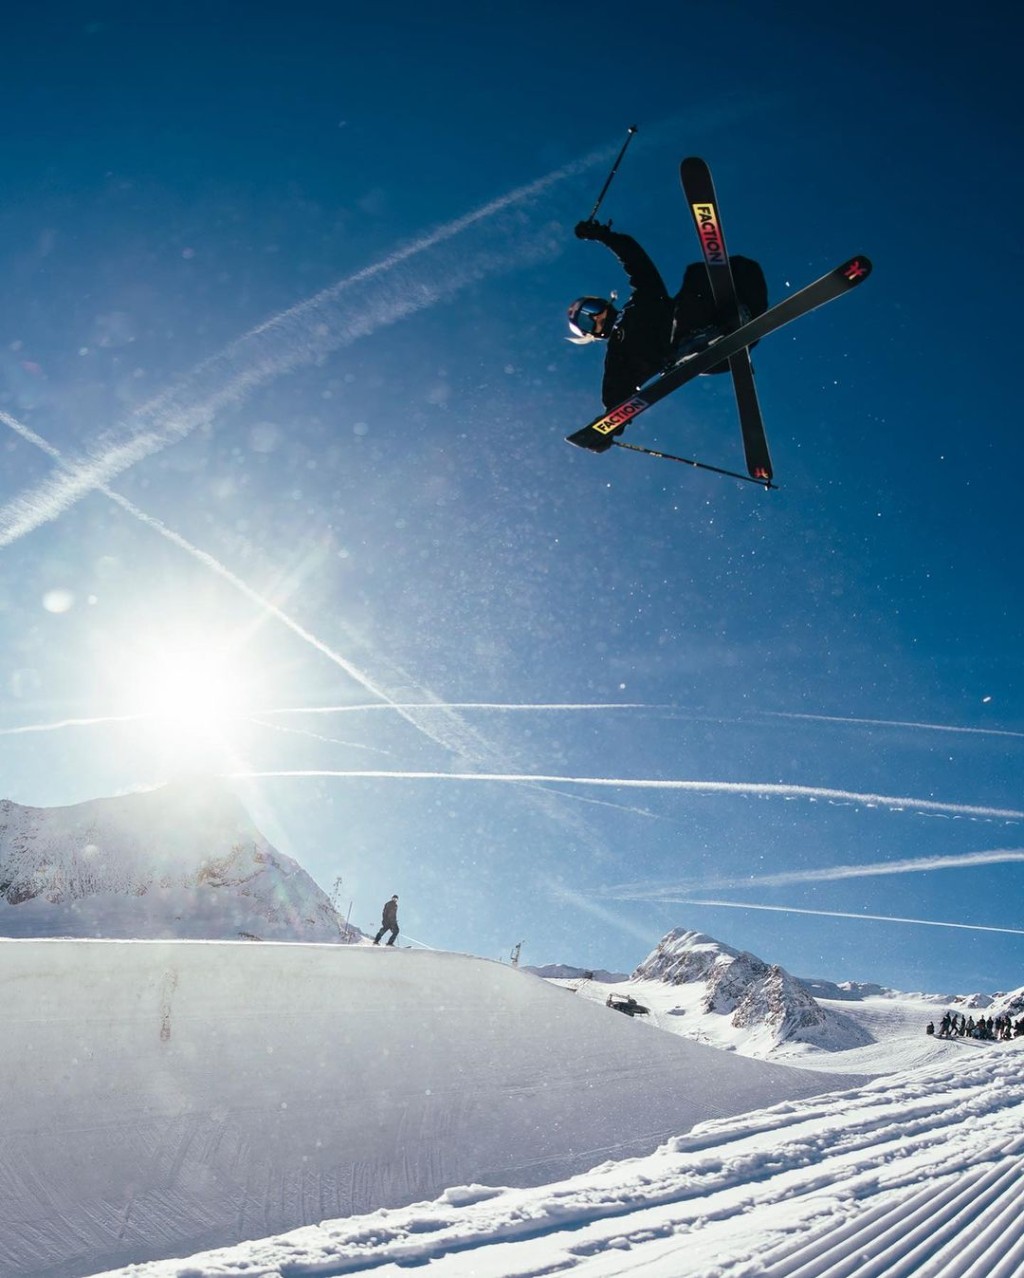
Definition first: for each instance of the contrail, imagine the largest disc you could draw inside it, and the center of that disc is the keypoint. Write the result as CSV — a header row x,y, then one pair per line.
x,y
201,556
580,901
896,723
826,874
59,724
604,803
910,865
840,914
298,336
316,736
753,788
98,721
434,719
458,739
467,705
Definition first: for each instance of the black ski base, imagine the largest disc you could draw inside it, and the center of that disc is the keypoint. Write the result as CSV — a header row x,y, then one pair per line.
x,y
599,435
699,188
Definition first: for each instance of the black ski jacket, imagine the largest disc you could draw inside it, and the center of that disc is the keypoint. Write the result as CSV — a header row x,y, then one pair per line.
x,y
639,344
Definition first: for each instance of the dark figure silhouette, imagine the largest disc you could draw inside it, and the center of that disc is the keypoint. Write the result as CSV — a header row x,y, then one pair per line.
x,y
388,921
653,329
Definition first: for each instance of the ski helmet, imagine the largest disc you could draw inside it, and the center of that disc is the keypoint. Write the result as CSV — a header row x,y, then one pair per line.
x,y
591,319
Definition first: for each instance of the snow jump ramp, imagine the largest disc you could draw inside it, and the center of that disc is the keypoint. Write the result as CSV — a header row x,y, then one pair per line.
x,y
163,1097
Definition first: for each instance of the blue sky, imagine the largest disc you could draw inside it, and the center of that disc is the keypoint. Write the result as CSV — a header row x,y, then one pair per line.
x,y
284,389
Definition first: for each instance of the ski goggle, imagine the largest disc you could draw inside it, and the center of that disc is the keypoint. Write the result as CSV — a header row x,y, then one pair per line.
x,y
585,312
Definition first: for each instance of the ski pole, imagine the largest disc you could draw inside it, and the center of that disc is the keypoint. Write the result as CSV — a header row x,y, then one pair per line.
x,y
688,461
615,166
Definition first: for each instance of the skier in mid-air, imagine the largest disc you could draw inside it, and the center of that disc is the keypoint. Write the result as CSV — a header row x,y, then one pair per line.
x,y
658,343
653,329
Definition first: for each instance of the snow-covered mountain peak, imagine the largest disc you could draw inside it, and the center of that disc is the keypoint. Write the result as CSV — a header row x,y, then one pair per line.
x,y
184,860
763,1002
683,956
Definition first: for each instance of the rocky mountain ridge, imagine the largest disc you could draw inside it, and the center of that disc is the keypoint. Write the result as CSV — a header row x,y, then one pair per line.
x,y
183,860
756,996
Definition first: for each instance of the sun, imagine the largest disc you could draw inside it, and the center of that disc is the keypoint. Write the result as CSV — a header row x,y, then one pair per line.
x,y
187,687
194,686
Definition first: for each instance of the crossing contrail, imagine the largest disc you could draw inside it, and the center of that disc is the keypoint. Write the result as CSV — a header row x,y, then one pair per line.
x,y
352,308
434,721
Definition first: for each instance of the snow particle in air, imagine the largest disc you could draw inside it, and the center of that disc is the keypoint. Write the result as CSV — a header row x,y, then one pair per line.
x,y
58,601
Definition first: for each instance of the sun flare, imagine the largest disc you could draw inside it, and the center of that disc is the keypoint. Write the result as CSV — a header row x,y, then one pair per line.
x,y
190,686
185,687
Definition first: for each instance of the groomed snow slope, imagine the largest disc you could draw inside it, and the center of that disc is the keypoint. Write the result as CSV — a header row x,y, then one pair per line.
x,y
920,1175
163,1097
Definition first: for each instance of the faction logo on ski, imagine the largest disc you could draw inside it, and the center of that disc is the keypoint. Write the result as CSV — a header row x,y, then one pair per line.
x,y
706,219
619,416
856,270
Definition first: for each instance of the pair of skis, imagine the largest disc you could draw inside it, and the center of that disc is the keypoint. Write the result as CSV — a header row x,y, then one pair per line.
x,y
733,346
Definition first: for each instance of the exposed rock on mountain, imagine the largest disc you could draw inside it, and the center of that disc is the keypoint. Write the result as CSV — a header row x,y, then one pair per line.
x,y
184,860
758,997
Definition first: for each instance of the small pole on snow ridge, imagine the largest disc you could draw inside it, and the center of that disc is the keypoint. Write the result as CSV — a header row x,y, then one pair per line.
x,y
615,168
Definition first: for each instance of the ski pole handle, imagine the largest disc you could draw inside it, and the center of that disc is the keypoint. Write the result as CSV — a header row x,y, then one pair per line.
x,y
615,167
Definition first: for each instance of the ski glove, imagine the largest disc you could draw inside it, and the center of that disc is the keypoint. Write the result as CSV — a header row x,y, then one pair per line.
x,y
590,230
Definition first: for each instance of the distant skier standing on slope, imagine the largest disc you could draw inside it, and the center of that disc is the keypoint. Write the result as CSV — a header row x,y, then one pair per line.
x,y
388,921
653,329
